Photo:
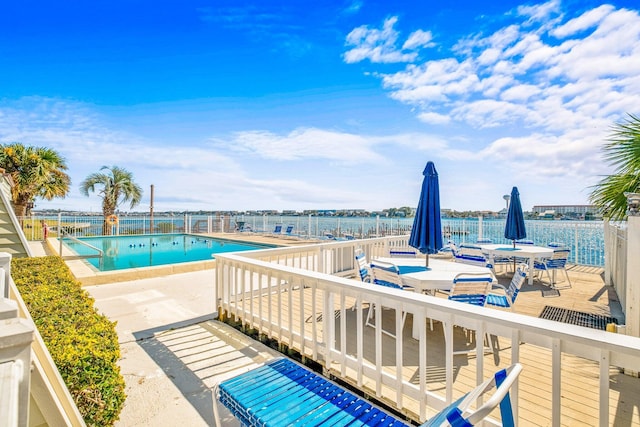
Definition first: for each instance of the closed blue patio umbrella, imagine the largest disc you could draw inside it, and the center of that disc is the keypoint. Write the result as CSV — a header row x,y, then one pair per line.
x,y
514,228
426,233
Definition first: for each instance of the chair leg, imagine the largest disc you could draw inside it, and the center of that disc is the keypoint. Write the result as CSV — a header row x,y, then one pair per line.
x,y
371,316
566,275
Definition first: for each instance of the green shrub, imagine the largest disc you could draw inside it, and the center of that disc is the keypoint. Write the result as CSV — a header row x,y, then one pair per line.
x,y
82,342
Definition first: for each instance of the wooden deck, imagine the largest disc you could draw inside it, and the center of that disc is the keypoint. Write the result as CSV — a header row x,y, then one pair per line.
x,y
580,389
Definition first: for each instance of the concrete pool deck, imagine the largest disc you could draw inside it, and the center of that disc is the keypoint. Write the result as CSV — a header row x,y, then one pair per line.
x,y
171,350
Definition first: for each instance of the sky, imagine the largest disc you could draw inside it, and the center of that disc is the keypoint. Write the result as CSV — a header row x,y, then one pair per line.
x,y
248,105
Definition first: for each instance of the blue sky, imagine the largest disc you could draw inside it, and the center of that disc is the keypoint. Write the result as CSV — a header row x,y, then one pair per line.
x,y
237,105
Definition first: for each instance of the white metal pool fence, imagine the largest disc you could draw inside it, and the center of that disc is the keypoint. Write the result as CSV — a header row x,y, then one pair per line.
x,y
584,238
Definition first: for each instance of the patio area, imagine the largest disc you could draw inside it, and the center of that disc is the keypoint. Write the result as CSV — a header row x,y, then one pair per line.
x,y
173,351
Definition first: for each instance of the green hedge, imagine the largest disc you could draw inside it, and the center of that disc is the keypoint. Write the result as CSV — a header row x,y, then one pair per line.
x,y
83,343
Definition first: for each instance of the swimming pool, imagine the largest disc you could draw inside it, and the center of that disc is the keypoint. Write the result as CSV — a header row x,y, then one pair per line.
x,y
124,252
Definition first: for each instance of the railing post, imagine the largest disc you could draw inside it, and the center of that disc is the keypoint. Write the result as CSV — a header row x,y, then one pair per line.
x,y
16,336
577,246
609,251
632,309
5,264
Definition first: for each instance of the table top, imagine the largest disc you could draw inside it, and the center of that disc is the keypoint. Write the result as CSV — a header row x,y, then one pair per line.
x,y
440,274
519,250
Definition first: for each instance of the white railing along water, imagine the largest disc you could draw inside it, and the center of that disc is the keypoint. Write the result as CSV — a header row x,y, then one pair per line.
x,y
293,295
584,238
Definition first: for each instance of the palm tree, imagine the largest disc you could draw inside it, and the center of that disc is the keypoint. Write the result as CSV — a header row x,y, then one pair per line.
x,y
622,151
36,172
117,187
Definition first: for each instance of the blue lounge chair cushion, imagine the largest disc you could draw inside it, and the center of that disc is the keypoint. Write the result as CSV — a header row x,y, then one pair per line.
x,y
282,393
498,300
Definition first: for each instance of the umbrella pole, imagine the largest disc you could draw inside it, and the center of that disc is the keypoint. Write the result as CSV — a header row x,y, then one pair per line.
x,y
427,260
514,258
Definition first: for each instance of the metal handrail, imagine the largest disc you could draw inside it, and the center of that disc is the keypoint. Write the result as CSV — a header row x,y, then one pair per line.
x,y
62,233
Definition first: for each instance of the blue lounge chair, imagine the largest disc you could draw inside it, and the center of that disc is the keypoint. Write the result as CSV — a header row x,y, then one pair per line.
x,y
284,393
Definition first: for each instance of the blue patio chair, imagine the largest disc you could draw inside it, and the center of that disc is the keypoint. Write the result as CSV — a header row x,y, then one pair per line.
x,y
402,253
510,293
471,288
524,242
289,230
471,254
282,392
557,262
362,265
385,274
556,245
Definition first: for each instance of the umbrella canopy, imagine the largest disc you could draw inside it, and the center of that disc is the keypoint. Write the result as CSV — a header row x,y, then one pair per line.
x,y
426,233
514,228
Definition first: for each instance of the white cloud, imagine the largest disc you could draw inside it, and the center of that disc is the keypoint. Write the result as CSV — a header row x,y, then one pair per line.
x,y
306,143
434,118
540,12
534,84
419,39
380,45
583,22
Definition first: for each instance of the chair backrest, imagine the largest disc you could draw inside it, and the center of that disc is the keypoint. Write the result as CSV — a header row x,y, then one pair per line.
x,y
453,247
386,274
524,242
471,288
556,245
363,266
558,259
278,228
517,281
289,229
472,254
402,253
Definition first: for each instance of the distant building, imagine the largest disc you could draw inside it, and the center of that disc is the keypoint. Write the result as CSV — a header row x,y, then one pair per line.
x,y
569,211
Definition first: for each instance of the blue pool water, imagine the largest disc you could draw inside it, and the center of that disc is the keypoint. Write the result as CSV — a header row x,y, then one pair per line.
x,y
123,252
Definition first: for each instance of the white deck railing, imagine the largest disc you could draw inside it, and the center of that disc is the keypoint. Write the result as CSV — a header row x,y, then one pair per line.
x,y
293,295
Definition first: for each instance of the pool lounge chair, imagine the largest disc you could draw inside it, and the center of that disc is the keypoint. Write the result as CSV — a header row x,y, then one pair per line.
x,y
284,393
277,230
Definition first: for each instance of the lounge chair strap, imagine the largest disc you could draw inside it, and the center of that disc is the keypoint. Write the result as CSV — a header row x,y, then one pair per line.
x,y
456,420
506,411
